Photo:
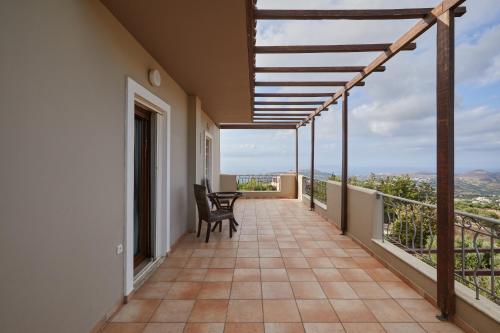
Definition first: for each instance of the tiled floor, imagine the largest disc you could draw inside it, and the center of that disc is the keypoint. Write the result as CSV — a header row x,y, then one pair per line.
x,y
287,270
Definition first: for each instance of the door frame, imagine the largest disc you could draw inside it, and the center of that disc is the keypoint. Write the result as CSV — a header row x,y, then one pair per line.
x,y
211,138
161,119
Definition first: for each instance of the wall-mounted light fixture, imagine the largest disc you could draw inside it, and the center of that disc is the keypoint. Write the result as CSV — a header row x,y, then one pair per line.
x,y
154,77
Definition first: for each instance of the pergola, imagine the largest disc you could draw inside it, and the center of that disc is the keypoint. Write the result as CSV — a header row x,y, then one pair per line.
x,y
277,116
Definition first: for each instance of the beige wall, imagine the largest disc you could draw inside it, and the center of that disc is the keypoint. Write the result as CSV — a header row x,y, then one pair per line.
x,y
199,125
62,117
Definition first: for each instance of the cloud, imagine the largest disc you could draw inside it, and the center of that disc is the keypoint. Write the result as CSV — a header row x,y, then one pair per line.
x,y
392,118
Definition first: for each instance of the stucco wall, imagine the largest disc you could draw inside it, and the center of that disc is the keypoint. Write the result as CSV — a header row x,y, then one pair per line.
x,y
286,188
365,218
62,118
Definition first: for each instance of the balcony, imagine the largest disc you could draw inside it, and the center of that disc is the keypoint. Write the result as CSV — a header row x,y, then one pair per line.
x,y
287,269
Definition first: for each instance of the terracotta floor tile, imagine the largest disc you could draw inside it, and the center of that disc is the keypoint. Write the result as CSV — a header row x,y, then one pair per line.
x,y
369,290
352,311
328,274
399,290
269,253
248,245
316,311
138,311
198,263
355,275
225,253
244,328
368,262
323,328
247,263
184,290
215,290
341,262
277,290
246,290
382,275
268,245
248,253
209,311
338,290
179,252
248,238
313,253
338,253
307,290
245,311
280,311
207,253
123,328
227,245
403,328
165,275
388,311
321,262
301,274
204,328
164,328
273,275
292,253
192,274
174,262
296,263
153,290
441,328
271,263
284,328
223,263
219,275
246,275
420,309
363,328
173,311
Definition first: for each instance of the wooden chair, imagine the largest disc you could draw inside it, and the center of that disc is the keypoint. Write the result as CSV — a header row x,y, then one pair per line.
x,y
210,216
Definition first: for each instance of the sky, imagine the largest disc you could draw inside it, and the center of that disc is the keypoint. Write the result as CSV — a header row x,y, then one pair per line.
x,y
392,119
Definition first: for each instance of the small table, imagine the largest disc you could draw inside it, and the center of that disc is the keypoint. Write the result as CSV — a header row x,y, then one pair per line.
x,y
231,197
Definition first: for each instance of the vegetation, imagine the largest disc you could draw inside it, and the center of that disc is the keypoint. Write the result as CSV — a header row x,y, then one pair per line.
x,y
254,184
413,226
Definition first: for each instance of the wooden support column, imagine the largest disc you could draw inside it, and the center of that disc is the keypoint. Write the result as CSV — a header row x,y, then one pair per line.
x,y
297,163
312,164
445,163
344,205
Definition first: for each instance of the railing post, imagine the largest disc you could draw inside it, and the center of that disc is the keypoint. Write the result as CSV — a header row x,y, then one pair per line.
x,y
445,163
297,163
312,164
344,205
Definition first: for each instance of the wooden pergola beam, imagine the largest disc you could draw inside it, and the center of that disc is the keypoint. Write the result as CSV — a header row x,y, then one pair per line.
x,y
276,118
251,8
303,83
320,94
284,109
418,29
256,126
324,69
330,48
349,14
280,114
287,103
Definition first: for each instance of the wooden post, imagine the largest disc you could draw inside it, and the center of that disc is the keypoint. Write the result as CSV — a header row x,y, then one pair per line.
x,y
297,163
343,209
445,163
312,164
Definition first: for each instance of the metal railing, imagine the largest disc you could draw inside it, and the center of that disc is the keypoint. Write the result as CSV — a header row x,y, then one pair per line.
x,y
411,225
319,189
257,182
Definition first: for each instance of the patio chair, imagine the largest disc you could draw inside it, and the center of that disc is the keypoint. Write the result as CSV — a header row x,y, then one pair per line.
x,y
210,216
222,200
